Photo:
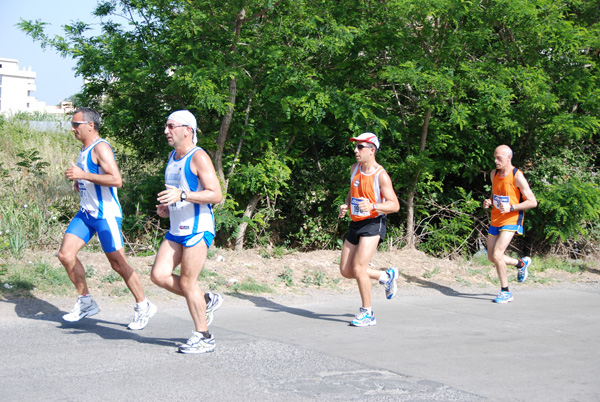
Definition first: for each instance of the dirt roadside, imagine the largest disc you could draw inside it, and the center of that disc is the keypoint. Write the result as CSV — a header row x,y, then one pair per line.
x,y
298,275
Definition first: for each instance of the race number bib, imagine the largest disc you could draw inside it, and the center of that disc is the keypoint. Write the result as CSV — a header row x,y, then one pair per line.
x,y
355,210
83,194
502,199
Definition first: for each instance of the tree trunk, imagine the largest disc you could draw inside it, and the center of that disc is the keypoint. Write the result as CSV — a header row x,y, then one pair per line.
x,y
239,239
226,121
225,183
411,238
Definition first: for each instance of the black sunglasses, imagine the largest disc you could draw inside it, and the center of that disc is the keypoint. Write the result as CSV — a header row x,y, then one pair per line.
x,y
76,124
361,146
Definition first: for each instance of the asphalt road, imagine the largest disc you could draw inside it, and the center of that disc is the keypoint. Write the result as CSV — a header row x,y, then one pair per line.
x,y
438,345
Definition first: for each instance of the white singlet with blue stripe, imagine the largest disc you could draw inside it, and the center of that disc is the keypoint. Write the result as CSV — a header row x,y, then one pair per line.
x,y
186,217
99,202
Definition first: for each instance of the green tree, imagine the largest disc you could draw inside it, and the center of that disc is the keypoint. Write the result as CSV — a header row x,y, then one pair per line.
x,y
279,87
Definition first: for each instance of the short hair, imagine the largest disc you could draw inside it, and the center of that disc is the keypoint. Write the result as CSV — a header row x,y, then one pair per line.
x,y
89,114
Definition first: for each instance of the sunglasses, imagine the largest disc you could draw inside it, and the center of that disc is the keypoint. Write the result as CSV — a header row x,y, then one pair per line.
x,y
76,124
361,146
171,126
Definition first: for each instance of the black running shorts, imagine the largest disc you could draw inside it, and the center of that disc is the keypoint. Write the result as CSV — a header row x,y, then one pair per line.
x,y
367,228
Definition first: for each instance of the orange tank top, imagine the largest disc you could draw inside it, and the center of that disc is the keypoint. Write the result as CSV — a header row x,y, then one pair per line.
x,y
505,190
364,186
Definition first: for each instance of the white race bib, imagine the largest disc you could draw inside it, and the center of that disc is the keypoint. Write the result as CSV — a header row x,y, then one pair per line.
x,y
355,209
502,199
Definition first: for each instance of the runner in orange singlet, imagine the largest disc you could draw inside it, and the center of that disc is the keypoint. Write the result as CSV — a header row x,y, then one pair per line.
x,y
370,199
511,196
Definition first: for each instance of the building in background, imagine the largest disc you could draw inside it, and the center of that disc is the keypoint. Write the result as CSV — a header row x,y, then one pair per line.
x,y
16,88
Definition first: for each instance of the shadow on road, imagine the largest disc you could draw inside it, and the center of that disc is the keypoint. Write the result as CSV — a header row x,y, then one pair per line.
x,y
274,307
36,309
445,290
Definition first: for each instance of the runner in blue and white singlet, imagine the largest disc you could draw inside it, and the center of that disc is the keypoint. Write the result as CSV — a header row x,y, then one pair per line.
x,y
191,187
187,218
98,201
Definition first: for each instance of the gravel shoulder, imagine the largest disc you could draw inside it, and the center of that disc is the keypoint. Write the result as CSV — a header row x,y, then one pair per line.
x,y
298,277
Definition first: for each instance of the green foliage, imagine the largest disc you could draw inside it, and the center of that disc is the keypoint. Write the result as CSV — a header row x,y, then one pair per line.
x,y
111,277
450,230
50,277
278,94
561,264
286,276
31,162
20,278
567,187
317,278
250,286
432,273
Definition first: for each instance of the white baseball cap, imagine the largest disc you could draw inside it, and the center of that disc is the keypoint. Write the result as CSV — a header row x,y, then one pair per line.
x,y
367,137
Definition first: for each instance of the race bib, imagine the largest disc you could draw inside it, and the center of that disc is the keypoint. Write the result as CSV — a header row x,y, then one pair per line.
x,y
355,210
502,199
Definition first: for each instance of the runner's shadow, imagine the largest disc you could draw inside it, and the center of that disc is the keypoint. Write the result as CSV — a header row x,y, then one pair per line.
x,y
36,309
271,306
448,291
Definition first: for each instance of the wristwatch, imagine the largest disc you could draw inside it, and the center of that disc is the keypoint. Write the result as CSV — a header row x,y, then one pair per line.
x,y
512,208
183,196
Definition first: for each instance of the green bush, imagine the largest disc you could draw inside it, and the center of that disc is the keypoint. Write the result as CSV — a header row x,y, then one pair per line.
x,y
449,231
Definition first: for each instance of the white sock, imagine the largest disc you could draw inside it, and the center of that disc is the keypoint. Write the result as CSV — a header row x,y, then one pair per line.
x,y
85,298
143,304
367,309
383,277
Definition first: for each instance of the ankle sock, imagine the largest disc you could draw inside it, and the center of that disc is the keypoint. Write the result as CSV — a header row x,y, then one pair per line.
x,y
520,264
505,289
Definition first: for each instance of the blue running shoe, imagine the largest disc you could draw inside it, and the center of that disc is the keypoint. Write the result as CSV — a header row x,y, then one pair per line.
x,y
504,297
364,318
391,287
524,272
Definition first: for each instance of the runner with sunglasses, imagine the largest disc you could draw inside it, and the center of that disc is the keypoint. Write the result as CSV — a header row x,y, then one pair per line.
x,y
370,198
96,178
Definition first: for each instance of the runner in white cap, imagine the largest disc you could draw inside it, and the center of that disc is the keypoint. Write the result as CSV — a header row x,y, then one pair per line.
x,y
370,199
191,187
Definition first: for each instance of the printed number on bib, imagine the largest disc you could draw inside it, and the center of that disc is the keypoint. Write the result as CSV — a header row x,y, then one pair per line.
x,y
502,199
356,209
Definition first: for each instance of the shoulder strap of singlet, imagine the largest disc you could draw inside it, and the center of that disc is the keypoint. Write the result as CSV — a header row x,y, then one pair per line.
x,y
515,170
354,172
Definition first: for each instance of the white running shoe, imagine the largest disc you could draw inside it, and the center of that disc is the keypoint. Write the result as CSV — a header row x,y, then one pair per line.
x,y
141,317
364,318
84,307
215,301
391,287
198,344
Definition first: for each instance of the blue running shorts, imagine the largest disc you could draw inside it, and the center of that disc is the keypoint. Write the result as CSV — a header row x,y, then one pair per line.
x,y
109,230
495,230
191,240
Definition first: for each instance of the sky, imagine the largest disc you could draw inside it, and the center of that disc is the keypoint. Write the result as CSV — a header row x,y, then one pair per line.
x,y
55,80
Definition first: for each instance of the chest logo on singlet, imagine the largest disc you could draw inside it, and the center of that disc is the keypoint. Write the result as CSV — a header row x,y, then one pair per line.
x,y
356,183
